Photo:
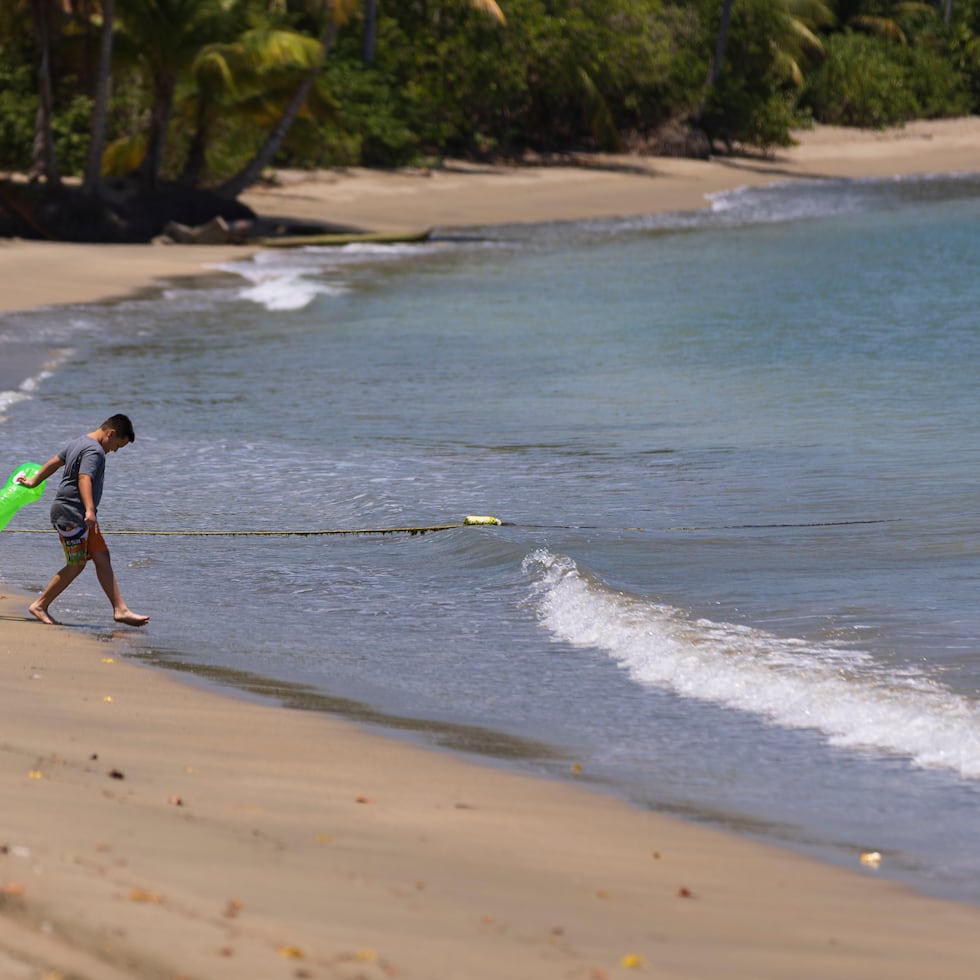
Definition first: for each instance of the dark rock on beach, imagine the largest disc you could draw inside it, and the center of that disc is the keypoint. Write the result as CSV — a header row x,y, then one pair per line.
x,y
122,213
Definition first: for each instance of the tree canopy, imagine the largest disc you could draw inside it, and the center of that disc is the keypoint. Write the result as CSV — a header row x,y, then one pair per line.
x,y
208,93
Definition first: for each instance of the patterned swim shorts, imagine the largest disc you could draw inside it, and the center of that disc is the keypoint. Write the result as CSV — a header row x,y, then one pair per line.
x,y
79,543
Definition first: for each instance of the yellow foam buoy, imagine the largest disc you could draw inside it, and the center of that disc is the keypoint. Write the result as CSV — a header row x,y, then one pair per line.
x,y
474,519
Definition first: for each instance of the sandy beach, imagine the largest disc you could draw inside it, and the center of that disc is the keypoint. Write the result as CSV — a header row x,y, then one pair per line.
x,y
464,195
157,829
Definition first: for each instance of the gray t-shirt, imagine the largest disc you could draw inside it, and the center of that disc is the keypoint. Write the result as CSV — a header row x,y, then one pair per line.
x,y
83,455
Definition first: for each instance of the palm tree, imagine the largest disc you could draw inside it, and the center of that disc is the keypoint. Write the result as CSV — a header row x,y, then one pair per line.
x,y
797,19
335,13
165,35
243,78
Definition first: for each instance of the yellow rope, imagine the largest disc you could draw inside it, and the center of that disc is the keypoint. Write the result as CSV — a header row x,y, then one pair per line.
x,y
268,534
424,529
471,521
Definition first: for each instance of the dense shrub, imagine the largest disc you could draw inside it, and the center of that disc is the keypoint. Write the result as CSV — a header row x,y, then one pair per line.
x,y
371,128
874,81
18,108
937,88
562,73
71,124
860,83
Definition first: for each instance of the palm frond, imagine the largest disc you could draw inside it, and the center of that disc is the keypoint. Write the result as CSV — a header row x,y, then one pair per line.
x,y
882,26
212,68
597,114
915,8
806,38
815,13
490,8
265,49
123,156
342,10
788,68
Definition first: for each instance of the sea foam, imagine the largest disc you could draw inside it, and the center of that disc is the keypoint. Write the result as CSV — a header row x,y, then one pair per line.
x,y
845,694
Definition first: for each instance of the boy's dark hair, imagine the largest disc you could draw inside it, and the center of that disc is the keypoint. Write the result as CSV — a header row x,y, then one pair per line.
x,y
121,425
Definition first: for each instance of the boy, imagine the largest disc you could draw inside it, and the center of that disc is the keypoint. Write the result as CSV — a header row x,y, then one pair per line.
x,y
74,515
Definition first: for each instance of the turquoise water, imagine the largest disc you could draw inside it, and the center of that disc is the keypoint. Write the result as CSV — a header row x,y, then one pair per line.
x,y
736,451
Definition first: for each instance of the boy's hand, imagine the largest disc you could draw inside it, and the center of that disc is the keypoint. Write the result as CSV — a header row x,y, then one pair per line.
x,y
24,481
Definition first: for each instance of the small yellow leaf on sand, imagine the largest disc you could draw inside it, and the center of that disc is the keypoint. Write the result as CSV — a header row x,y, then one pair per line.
x,y
35,774
291,952
365,955
141,895
108,660
631,961
108,699
323,838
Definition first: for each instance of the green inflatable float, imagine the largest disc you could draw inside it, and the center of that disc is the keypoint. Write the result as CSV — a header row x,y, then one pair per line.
x,y
14,495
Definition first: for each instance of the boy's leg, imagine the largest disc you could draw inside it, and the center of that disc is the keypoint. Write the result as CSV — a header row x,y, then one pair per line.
x,y
39,607
74,543
99,553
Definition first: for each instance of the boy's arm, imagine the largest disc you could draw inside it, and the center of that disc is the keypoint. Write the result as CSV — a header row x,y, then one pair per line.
x,y
85,492
51,466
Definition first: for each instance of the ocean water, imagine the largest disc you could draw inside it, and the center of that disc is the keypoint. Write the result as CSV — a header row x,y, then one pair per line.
x,y
735,451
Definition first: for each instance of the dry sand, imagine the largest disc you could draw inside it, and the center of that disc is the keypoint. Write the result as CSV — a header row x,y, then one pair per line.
x,y
463,194
154,829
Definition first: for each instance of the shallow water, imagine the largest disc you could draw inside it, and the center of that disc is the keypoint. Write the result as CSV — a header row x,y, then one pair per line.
x,y
736,452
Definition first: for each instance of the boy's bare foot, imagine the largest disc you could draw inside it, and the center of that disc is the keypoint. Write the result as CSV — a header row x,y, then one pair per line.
x,y
130,618
40,613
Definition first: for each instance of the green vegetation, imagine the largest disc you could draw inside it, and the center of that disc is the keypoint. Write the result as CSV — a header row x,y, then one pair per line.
x,y
206,93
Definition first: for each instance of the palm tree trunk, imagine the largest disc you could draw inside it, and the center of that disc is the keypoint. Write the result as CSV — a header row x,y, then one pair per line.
x,y
722,40
100,110
714,69
196,153
163,100
44,159
370,41
252,170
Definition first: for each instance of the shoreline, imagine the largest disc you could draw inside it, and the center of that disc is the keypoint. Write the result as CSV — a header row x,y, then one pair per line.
x,y
247,840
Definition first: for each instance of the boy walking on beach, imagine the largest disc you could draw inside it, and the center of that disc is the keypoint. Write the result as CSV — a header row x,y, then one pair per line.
x,y
74,516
